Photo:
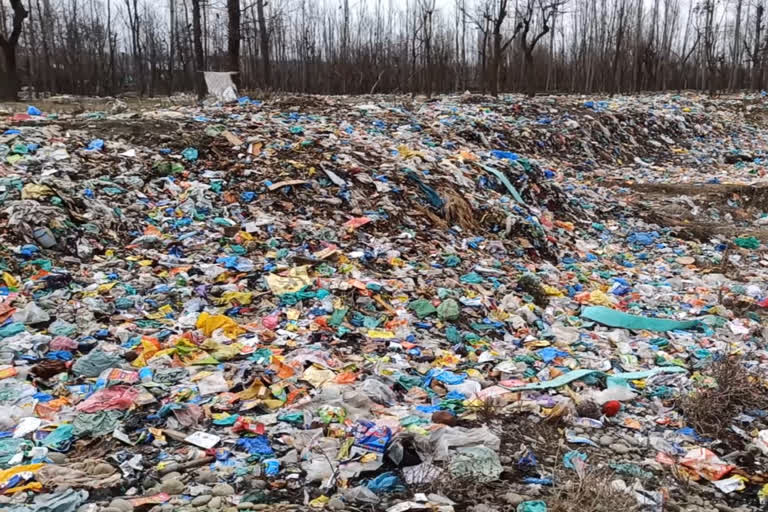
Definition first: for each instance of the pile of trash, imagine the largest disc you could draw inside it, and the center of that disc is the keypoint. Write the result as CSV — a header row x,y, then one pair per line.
x,y
373,303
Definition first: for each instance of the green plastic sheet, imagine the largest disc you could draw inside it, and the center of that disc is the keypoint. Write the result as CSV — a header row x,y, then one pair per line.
x,y
422,307
511,188
613,318
532,506
448,310
571,376
748,242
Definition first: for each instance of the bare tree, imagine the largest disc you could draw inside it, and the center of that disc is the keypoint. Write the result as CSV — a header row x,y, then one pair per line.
x,y
233,37
199,56
499,45
755,52
264,43
535,19
9,86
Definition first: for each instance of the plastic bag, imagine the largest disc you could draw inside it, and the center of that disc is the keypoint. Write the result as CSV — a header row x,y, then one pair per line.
x,y
532,506
441,441
31,314
448,310
114,398
706,464
385,482
477,462
378,391
95,362
212,384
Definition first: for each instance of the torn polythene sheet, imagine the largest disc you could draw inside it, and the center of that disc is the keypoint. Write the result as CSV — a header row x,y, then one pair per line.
x,y
571,376
613,318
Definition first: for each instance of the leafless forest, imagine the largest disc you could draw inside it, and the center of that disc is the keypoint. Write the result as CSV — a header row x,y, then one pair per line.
x,y
154,47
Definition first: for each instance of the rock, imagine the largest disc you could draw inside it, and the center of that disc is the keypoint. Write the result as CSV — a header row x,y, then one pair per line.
x,y
483,507
174,486
57,458
122,505
513,498
110,509
205,476
149,482
245,505
201,500
444,418
605,440
223,490
173,475
619,448
258,484
336,503
215,503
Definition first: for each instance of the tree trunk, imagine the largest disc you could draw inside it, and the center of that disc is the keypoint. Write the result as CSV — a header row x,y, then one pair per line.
x,y
171,45
233,39
530,73
756,59
495,63
264,43
9,82
198,43
736,57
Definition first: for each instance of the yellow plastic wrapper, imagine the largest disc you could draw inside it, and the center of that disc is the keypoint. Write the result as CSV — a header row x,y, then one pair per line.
x,y
226,352
33,191
149,347
552,291
7,474
10,281
291,281
209,323
379,334
319,502
599,298
317,376
242,298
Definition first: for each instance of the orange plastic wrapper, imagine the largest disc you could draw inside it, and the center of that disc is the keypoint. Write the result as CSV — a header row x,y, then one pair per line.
x,y
345,378
706,464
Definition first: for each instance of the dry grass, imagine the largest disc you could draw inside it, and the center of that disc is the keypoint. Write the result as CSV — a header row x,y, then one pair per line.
x,y
727,390
592,492
457,210
531,285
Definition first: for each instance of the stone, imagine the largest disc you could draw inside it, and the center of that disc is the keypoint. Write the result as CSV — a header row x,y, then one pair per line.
x,y
57,458
605,440
245,505
173,475
201,500
619,448
223,490
336,503
173,486
258,484
513,498
483,507
215,503
205,476
122,505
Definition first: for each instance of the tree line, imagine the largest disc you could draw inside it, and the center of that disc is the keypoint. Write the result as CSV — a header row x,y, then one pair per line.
x,y
157,47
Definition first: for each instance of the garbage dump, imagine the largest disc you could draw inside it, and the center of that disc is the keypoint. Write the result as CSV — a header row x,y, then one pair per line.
x,y
379,303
